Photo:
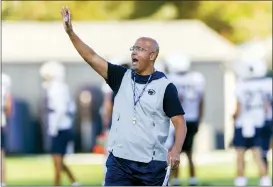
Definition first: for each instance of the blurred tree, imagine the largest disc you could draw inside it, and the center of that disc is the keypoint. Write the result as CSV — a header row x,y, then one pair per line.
x,y
143,9
81,10
236,20
186,9
166,12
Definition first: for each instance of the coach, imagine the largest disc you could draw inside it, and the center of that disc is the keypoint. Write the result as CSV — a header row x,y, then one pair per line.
x,y
145,101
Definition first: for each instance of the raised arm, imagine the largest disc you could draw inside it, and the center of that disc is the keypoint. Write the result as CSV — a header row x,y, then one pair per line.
x,y
99,64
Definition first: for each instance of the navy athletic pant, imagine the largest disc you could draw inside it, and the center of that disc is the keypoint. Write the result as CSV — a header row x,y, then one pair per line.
x,y
122,172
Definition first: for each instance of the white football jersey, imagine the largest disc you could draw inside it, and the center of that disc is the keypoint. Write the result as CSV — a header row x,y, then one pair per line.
x,y
190,87
60,104
251,96
5,91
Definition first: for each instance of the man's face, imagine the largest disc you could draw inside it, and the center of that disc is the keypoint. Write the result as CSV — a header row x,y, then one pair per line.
x,y
142,54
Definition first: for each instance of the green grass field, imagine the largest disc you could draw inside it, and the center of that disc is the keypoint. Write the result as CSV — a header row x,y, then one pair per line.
x,y
38,170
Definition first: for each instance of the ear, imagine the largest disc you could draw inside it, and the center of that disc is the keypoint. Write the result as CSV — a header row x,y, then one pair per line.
x,y
153,56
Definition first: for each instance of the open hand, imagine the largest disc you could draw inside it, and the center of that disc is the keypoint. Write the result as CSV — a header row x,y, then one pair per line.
x,y
66,14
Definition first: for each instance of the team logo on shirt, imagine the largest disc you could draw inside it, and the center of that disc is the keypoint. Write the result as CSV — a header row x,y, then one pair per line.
x,y
151,92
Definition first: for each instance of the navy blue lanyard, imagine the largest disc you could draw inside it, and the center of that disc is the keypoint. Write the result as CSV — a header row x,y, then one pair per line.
x,y
136,99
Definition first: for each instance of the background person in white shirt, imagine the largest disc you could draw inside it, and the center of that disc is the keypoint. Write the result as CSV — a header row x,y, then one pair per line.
x,y
6,109
60,113
249,118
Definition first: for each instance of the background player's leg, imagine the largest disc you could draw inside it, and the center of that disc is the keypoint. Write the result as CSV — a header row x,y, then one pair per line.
x,y
264,179
68,173
192,180
57,159
266,133
240,179
175,181
187,149
65,138
264,151
193,126
3,168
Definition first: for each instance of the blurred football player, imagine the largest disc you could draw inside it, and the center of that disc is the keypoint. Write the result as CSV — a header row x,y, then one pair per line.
x,y
249,118
6,108
107,106
61,109
190,86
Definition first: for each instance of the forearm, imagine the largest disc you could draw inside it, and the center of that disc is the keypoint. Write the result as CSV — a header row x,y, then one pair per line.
x,y
180,135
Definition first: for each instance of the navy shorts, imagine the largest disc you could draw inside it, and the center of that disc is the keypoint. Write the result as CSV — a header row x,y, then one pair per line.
x,y
59,143
192,129
266,134
3,143
122,172
247,143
